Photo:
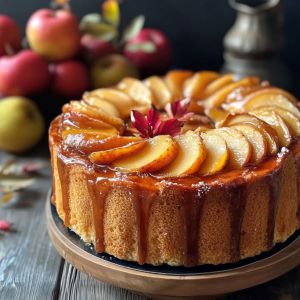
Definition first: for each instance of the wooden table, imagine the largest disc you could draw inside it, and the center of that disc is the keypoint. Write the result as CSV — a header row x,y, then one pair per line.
x,y
30,267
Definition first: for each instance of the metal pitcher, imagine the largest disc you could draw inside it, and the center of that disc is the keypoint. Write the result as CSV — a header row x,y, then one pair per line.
x,y
253,44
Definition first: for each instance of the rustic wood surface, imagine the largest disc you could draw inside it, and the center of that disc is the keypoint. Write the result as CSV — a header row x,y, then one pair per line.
x,y
30,267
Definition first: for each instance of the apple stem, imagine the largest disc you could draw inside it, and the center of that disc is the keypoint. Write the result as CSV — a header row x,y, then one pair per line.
x,y
9,49
60,4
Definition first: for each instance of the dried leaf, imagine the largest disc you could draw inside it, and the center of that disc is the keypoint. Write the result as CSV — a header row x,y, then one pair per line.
x,y
14,183
151,124
6,197
111,12
4,225
8,166
179,110
33,167
133,28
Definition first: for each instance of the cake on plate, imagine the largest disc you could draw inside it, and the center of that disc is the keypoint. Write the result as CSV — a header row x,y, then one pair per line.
x,y
184,169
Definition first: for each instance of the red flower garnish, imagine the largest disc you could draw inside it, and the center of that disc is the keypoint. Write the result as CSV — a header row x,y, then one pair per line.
x,y
151,125
4,225
179,109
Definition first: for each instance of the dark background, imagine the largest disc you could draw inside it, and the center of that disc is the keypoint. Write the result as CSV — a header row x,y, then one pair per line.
x,y
195,27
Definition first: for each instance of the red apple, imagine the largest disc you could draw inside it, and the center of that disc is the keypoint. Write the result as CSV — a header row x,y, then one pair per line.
x,y
69,78
110,69
10,35
93,47
54,34
23,74
149,50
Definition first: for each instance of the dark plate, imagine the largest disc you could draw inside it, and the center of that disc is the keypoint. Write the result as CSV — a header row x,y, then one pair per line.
x,y
165,269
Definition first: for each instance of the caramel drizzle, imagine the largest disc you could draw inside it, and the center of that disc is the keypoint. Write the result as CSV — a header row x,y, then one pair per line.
x,y
142,203
63,173
298,189
237,198
98,192
274,189
191,212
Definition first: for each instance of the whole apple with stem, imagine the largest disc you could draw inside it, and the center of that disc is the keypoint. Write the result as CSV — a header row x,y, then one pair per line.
x,y
69,78
110,69
24,73
54,34
93,47
21,128
10,36
150,50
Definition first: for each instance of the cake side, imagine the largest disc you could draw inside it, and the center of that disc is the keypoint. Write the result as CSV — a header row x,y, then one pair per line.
x,y
214,225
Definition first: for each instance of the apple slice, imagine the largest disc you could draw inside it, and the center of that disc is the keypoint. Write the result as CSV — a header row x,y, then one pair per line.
x,y
216,153
162,93
88,143
194,87
277,123
219,97
265,129
238,146
95,112
119,99
79,120
108,156
106,106
191,154
218,83
94,133
240,93
257,141
137,91
157,154
289,118
216,114
271,97
175,80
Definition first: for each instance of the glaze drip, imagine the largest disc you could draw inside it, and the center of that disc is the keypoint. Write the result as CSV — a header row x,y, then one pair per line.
x,y
191,211
98,191
63,173
142,203
273,181
298,188
237,198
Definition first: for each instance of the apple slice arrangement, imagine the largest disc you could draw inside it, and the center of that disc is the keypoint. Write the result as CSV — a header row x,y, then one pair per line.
x,y
64,57
224,124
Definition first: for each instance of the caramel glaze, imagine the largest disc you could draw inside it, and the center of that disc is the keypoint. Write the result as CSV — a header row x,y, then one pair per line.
x,y
194,190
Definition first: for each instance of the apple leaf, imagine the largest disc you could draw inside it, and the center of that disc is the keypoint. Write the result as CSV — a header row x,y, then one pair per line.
x,y
133,28
146,47
111,12
93,24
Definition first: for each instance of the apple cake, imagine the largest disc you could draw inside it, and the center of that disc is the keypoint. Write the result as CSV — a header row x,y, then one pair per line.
x,y
185,169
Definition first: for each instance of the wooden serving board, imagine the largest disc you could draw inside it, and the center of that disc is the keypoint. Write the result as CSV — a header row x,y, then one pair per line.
x,y
165,282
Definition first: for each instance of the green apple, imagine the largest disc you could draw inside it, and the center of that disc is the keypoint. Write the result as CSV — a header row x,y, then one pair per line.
x,y
110,69
21,126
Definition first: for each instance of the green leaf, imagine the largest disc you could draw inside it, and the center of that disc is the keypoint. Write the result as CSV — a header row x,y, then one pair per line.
x,y
88,19
146,47
94,25
133,28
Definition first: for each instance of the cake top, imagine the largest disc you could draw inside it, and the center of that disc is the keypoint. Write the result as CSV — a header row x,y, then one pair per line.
x,y
181,124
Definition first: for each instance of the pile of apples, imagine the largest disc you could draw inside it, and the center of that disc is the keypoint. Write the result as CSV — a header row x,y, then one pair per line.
x,y
72,57
66,57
